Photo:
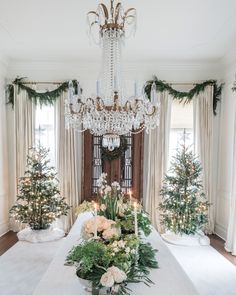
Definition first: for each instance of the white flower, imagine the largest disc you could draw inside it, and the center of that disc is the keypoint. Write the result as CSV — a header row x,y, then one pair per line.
x,y
127,250
107,280
116,185
102,180
118,275
115,244
107,189
133,251
103,207
115,249
121,244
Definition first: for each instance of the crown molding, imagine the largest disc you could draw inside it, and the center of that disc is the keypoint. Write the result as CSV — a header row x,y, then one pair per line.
x,y
90,69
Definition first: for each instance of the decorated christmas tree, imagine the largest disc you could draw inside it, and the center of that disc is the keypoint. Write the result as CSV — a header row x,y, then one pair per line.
x,y
38,202
184,206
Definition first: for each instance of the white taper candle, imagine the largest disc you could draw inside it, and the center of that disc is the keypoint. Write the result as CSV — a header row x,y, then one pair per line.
x,y
135,220
95,221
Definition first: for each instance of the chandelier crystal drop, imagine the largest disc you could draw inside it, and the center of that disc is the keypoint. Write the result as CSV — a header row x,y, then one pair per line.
x,y
110,113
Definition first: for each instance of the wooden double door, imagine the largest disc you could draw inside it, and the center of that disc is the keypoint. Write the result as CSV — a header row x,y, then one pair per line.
x,y
127,169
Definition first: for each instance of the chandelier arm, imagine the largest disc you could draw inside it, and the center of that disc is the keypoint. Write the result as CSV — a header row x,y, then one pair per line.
x,y
153,112
139,131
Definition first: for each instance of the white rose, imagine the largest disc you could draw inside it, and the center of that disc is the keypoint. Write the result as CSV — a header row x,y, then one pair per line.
x,y
107,280
118,275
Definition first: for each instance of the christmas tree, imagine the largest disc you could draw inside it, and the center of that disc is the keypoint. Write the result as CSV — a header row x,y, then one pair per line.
x,y
39,202
184,206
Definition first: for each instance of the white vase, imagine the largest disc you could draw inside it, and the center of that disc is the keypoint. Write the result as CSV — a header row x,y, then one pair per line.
x,y
87,285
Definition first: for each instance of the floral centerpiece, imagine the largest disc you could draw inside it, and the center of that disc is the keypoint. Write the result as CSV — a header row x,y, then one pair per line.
x,y
113,252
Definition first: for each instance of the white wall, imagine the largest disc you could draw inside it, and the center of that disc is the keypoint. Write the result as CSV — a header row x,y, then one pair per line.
x,y
3,154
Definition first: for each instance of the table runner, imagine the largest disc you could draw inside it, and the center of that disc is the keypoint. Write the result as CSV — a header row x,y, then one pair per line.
x,y
169,279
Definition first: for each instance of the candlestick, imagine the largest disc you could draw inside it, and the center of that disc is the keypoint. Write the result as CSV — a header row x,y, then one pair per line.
x,y
95,221
135,220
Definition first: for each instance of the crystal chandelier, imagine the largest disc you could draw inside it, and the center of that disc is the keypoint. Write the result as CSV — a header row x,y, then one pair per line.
x,y
111,113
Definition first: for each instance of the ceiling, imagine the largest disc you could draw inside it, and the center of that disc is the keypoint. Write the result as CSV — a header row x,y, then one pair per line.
x,y
55,30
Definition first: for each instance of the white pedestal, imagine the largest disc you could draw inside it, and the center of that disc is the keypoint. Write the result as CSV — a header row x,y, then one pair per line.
x,y
198,239
40,236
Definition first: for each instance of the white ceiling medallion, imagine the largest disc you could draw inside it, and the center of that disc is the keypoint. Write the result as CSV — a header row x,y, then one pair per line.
x,y
110,113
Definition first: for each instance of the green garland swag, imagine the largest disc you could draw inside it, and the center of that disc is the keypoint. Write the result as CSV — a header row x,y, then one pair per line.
x,y
182,96
43,98
116,153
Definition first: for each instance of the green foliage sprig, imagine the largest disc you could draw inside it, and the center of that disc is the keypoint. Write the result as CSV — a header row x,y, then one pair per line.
x,y
183,96
42,98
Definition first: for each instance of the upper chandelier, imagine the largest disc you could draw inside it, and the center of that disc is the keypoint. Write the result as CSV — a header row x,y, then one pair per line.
x,y
110,112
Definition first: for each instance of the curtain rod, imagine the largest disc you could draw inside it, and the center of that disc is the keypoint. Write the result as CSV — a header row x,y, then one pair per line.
x,y
171,83
33,83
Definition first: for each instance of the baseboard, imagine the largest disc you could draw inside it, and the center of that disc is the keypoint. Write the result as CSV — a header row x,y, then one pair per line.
x,y
4,228
221,231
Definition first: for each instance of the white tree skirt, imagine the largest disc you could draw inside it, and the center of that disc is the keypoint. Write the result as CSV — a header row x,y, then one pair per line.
x,y
199,239
40,236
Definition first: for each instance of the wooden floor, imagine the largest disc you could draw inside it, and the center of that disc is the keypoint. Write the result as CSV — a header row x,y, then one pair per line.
x,y
7,241
218,244
10,238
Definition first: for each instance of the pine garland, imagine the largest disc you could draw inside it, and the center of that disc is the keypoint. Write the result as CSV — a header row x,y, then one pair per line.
x,y
42,98
183,96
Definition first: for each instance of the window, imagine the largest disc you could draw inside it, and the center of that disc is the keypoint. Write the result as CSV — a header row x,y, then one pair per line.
x,y
181,127
45,129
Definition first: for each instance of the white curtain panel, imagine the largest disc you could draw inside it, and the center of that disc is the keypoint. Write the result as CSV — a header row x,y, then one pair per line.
x,y
24,112
203,137
69,162
230,244
155,157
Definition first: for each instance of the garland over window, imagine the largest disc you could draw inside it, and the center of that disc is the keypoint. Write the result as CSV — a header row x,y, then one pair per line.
x,y
42,98
182,96
49,97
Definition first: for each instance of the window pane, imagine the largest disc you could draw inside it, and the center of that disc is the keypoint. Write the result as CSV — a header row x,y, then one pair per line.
x,y
45,129
181,128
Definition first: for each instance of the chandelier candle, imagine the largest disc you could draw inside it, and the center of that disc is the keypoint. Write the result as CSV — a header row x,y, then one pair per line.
x,y
111,113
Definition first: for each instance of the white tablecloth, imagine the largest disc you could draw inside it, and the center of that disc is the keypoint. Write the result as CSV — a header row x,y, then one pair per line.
x,y
169,279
